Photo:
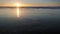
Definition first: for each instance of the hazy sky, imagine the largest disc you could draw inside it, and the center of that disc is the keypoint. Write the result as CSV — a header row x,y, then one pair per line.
x,y
30,1
34,2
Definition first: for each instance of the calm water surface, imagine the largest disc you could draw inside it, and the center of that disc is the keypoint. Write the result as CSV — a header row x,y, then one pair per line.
x,y
31,19
29,12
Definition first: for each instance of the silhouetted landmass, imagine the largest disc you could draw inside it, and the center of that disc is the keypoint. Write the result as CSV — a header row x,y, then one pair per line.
x,y
55,7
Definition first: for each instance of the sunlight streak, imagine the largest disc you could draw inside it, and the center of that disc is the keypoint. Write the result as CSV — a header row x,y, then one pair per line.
x,y
18,12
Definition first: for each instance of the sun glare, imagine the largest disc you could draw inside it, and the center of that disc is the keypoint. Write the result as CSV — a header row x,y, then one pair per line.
x,y
18,4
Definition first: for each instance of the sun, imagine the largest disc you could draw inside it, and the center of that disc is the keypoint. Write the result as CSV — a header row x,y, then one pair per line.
x,y
18,4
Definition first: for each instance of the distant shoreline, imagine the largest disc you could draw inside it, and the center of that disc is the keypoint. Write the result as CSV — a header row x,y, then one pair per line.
x,y
58,7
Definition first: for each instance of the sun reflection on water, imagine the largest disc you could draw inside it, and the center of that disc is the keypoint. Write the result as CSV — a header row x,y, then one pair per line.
x,y
18,13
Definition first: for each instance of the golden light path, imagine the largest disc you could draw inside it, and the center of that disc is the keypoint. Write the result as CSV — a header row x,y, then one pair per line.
x,y
18,15
18,12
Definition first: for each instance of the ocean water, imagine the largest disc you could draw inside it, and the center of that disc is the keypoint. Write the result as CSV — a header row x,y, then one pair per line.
x,y
29,19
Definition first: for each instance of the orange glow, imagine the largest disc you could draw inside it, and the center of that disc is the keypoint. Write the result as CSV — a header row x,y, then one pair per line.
x,y
18,4
28,4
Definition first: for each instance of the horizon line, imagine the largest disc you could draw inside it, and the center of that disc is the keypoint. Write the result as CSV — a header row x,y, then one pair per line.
x,y
47,7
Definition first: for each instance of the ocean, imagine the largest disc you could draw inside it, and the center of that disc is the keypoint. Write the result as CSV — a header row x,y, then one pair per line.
x,y
29,20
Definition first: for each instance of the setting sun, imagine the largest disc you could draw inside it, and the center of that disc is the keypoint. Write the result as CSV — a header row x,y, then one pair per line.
x,y
18,4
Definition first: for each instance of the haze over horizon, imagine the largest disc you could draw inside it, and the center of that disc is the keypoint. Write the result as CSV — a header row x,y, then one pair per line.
x,y
30,2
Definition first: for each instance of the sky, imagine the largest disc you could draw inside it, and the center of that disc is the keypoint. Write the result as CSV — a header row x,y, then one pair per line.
x,y
55,2
31,1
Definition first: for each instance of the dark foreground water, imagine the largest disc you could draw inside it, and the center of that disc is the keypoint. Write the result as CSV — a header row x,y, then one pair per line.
x,y
31,21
